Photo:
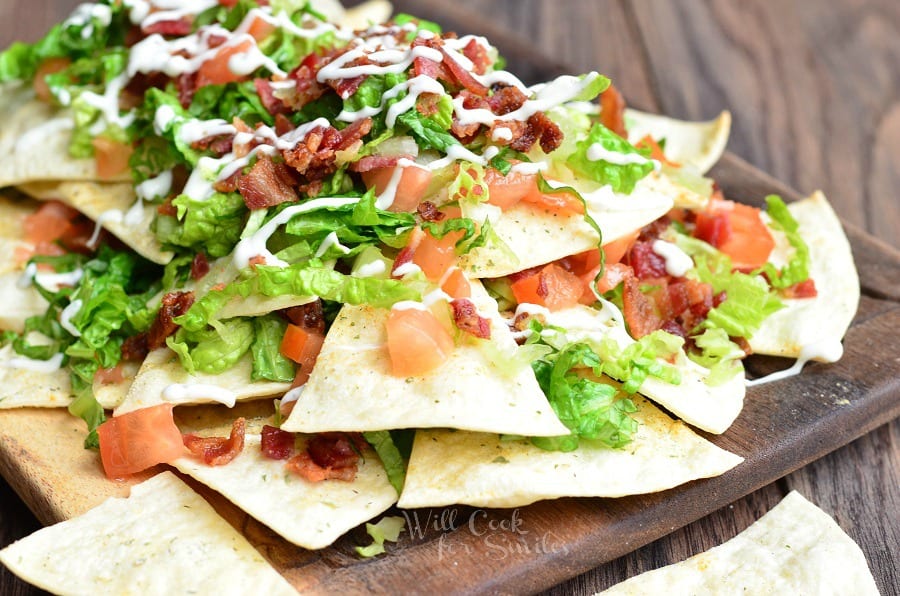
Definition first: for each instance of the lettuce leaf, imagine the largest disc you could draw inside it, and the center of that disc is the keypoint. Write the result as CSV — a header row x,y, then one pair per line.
x,y
622,178
388,528
797,269
719,354
213,350
227,101
268,362
385,444
212,225
644,358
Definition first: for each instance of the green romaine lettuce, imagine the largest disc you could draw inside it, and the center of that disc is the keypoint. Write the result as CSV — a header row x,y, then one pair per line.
x,y
622,178
268,362
797,269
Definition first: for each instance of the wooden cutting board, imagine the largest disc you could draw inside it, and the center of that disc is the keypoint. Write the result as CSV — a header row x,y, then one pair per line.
x,y
783,426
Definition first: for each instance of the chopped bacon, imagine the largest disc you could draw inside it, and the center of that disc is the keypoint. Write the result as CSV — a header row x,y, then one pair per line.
x,y
429,68
612,111
179,27
333,450
374,162
478,54
539,129
428,211
646,263
217,451
303,465
310,317
467,319
187,86
199,266
638,310
167,208
463,76
276,443
316,156
307,88
506,100
283,125
267,184
174,304
272,104
347,87
428,104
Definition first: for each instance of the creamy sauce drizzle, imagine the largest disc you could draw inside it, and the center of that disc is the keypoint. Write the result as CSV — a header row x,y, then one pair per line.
x,y
65,317
823,351
677,261
177,393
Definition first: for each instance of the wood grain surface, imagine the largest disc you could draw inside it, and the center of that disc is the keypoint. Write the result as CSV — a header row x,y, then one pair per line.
x,y
814,91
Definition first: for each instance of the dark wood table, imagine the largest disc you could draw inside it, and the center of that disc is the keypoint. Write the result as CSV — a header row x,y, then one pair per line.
x,y
814,89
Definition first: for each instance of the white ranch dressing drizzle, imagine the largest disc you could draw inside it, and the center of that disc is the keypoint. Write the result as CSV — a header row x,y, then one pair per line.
x,y
501,134
293,394
108,104
110,215
84,14
597,152
50,281
409,305
171,11
177,393
386,198
331,240
376,267
39,366
255,244
152,188
527,308
828,350
407,269
677,261
65,317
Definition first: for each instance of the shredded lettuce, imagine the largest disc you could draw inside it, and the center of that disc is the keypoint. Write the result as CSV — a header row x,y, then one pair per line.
x,y
588,408
797,269
644,358
393,448
621,177
719,354
269,363
388,528
212,225
214,349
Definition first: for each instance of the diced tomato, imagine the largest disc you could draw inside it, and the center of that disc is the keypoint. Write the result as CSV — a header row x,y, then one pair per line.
x,y
748,241
613,275
416,341
612,111
506,191
139,440
303,347
553,287
436,255
260,29
49,223
616,249
456,285
47,67
111,157
216,70
561,203
411,188
804,289
656,152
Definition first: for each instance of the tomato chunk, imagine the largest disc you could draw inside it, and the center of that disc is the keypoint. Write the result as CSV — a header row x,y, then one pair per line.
x,y
302,346
49,223
506,191
139,440
111,157
217,71
47,67
435,256
410,190
552,287
744,238
416,341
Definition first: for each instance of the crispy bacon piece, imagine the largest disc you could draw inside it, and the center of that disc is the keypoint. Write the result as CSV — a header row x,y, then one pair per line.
x,y
638,310
428,211
506,100
167,208
217,451
272,104
199,266
539,129
307,88
478,54
174,304
463,76
309,316
315,157
374,162
803,289
179,27
328,456
267,184
276,443
304,466
187,86
646,263
467,319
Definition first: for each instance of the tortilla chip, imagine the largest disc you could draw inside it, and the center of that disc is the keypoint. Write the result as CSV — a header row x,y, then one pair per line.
x,y
366,14
308,514
352,389
162,368
34,140
695,144
711,408
18,303
796,548
822,321
162,539
97,200
481,470
530,236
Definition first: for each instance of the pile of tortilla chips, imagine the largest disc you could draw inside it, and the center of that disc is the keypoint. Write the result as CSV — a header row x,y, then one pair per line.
x,y
473,413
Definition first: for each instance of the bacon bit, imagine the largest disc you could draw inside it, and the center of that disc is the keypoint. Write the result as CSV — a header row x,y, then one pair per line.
x,y
374,162
307,88
713,228
406,254
464,132
428,104
283,125
478,54
256,260
506,100
803,289
174,304
199,266
179,28
167,208
310,317
217,451
428,211
467,319
539,129
347,87
430,68
334,450
187,87
267,184
463,76
612,111
276,443
266,92
646,263
316,156
306,468
638,311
